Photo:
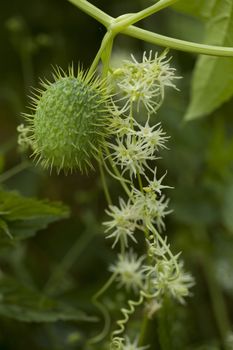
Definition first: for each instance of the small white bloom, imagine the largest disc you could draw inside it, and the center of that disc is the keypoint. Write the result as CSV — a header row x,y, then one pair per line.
x,y
131,155
129,271
179,287
120,125
155,185
153,136
133,345
123,223
156,249
165,279
161,212
151,308
151,209
144,82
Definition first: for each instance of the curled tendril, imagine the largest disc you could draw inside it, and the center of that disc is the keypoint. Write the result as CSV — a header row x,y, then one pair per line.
x,y
117,343
129,311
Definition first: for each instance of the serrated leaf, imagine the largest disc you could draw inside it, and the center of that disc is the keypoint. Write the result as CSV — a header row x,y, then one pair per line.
x,y
198,8
21,217
212,83
23,304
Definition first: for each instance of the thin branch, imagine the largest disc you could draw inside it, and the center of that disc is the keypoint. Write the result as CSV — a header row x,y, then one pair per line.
x,y
93,11
150,37
178,44
136,17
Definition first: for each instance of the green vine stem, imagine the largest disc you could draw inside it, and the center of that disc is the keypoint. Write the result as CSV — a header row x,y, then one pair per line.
x,y
144,330
93,11
177,44
106,42
103,310
14,171
119,26
77,248
130,19
104,183
217,301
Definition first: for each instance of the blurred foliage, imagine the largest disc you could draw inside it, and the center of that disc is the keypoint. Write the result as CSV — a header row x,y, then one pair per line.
x,y
213,76
53,275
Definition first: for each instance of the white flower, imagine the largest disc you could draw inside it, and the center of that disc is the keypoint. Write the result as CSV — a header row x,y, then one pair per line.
x,y
144,82
120,125
129,271
123,223
151,209
131,155
161,212
155,185
156,249
133,345
179,287
167,281
151,308
153,136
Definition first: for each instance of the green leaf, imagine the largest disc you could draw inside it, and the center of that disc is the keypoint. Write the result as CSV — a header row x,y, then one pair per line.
x,y
24,304
201,9
21,217
212,83
198,8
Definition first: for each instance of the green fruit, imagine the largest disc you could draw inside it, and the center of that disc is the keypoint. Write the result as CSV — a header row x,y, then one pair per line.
x,y
69,122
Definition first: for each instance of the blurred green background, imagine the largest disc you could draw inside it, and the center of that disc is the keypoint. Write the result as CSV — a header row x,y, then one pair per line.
x,y
69,260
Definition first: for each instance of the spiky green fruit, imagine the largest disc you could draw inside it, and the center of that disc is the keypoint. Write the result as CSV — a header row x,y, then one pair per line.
x,y
69,121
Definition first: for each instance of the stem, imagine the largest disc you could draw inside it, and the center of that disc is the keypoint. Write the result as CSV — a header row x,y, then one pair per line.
x,y
67,262
146,230
140,181
133,18
148,36
134,140
173,258
107,54
116,171
103,310
93,11
182,45
106,40
217,301
144,330
104,183
105,287
14,171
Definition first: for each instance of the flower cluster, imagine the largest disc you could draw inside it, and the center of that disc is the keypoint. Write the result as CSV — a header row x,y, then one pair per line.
x,y
132,154
143,209
135,145
166,276
144,82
